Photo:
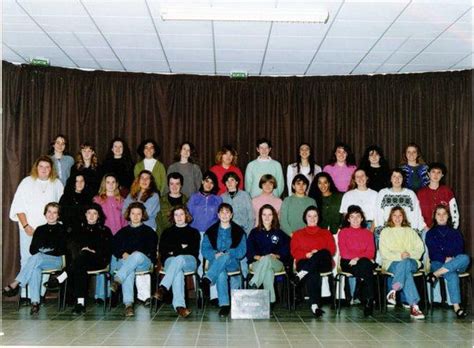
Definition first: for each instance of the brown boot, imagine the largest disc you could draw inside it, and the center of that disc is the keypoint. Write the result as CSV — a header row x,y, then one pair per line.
x,y
129,312
160,293
183,312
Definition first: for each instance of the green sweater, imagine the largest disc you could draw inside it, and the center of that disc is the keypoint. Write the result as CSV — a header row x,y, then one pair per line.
x,y
291,213
256,169
159,174
162,221
330,217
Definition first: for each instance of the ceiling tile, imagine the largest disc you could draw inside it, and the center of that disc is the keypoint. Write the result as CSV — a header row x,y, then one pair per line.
x,y
240,42
139,54
102,53
444,60
389,68
414,45
110,64
434,12
187,41
416,29
400,58
371,10
248,56
451,46
129,25
16,38
290,69
241,28
342,57
421,68
293,43
282,56
133,40
66,23
195,55
92,39
10,8
87,63
299,29
466,63
19,23
377,57
388,44
53,8
357,29
348,43
363,69
114,8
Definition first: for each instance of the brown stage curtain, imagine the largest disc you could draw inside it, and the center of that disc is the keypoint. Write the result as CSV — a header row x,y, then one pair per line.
x,y
432,109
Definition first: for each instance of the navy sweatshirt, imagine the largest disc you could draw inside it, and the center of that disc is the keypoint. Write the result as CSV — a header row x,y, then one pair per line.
x,y
263,242
444,241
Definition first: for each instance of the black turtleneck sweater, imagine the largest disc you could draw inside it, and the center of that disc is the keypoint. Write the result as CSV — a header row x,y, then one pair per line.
x,y
172,239
96,237
129,239
49,239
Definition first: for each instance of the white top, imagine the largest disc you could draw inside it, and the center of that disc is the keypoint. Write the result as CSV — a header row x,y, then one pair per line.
x,y
364,199
149,163
31,197
291,172
406,198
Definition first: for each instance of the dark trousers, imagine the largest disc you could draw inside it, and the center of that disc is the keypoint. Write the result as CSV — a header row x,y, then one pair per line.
x,y
321,262
364,270
85,261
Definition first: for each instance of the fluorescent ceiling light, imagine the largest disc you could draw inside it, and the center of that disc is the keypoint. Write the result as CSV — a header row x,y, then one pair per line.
x,y
230,14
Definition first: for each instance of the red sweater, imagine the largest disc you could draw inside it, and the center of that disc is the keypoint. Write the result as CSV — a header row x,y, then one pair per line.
x,y
430,198
310,238
356,242
220,172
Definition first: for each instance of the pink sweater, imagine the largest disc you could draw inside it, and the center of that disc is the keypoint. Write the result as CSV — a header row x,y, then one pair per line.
x,y
113,213
356,242
261,200
340,175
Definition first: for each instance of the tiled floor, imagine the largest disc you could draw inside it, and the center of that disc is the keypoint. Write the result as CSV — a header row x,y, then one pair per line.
x,y
205,328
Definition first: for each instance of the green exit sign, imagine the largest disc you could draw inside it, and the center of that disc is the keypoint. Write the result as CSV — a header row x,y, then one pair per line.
x,y
40,61
238,75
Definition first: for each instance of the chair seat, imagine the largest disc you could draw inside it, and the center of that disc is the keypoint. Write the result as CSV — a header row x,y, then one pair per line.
x,y
163,272
98,271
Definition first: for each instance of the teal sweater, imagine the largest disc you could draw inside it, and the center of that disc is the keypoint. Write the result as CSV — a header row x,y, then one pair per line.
x,y
256,169
291,213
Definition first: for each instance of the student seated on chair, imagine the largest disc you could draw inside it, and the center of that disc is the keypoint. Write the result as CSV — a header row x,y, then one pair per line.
x,y
357,249
268,250
179,253
401,249
446,249
224,245
312,247
93,244
134,249
47,246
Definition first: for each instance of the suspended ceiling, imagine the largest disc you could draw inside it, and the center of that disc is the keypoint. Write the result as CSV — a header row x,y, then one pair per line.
x,y
360,37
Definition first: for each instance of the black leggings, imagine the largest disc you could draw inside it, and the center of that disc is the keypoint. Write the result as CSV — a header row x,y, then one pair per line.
x,y
320,262
364,270
85,261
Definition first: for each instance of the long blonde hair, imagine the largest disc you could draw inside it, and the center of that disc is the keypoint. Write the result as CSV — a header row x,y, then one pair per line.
x,y
103,190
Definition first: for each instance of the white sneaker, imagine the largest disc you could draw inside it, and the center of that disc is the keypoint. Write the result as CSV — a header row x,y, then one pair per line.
x,y
415,312
392,297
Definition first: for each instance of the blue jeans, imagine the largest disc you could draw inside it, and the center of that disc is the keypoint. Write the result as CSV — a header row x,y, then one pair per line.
x,y
125,275
457,265
30,273
403,279
175,267
217,274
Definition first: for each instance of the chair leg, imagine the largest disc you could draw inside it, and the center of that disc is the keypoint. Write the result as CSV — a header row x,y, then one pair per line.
x,y
384,291
379,293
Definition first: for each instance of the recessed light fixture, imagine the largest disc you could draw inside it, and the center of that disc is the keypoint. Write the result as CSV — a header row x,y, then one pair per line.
x,y
253,14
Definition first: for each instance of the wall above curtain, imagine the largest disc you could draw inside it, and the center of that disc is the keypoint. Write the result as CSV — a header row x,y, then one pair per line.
x,y
432,109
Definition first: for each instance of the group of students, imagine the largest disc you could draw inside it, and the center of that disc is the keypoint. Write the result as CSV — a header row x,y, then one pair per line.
x,y
116,212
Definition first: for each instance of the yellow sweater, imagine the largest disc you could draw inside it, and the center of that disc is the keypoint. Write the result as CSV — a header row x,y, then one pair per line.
x,y
395,240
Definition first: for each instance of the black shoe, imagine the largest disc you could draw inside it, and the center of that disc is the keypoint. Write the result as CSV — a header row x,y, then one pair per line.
x,y
214,302
35,307
99,301
461,313
295,280
253,287
224,311
318,313
10,292
206,287
160,293
431,278
78,309
25,302
52,284
368,308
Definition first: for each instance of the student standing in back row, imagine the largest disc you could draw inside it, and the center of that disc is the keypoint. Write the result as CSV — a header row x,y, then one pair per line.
x,y
264,164
341,166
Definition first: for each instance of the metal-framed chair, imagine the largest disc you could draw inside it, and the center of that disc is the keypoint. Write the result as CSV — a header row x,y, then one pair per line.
x,y
106,273
62,287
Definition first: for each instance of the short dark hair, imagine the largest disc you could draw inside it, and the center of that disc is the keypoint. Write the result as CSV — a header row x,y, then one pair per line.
x,y
263,141
354,209
299,177
399,171
175,175
141,147
267,178
310,208
52,205
230,175
438,165
98,209
210,175
135,205
225,206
